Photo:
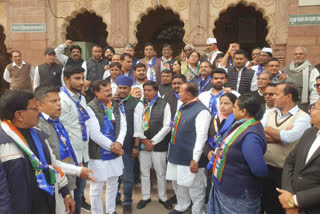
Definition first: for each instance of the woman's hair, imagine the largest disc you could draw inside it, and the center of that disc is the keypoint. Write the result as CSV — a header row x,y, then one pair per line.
x,y
250,103
178,61
231,97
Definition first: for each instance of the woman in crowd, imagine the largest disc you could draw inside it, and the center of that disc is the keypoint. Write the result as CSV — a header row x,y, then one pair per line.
x,y
176,67
218,126
191,71
238,162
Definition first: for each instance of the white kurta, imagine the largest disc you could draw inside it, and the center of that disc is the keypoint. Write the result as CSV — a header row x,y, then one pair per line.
x,y
105,169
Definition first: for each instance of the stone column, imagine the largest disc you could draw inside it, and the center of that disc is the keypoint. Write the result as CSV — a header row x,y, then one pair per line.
x,y
119,23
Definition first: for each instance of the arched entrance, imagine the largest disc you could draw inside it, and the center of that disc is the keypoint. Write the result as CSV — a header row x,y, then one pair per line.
x,y
160,26
4,60
88,27
242,24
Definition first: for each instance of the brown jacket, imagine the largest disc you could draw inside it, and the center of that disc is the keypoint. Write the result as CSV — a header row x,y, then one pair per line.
x,y
157,67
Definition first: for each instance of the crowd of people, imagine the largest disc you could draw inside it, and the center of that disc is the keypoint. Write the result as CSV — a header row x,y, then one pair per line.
x,y
234,133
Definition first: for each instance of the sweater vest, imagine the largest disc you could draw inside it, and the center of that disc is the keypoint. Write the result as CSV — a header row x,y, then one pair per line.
x,y
50,74
95,69
244,184
72,63
245,82
156,124
53,141
20,78
277,153
182,152
129,107
94,149
173,101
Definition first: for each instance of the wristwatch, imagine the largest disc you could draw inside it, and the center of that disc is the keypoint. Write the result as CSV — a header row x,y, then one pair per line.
x,y
291,201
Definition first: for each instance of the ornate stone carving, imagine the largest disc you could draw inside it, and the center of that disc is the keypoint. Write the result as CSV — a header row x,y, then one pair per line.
x,y
198,35
102,6
83,3
64,9
137,5
217,3
163,3
266,3
181,4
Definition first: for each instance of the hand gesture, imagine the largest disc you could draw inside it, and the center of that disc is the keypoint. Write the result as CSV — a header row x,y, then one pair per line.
x,y
68,42
86,174
284,198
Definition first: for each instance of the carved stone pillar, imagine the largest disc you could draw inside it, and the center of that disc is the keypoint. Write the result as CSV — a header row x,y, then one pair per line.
x,y
119,23
198,21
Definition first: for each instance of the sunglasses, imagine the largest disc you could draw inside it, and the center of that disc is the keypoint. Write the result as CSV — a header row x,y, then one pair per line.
x,y
317,85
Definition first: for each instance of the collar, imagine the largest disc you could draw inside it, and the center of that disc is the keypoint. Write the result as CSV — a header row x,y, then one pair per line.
x,y
14,64
292,111
217,93
76,96
99,60
47,116
239,70
190,101
260,92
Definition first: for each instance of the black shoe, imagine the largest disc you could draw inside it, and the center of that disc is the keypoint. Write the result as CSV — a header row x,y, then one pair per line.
x,y
173,199
175,212
143,203
85,206
166,204
127,209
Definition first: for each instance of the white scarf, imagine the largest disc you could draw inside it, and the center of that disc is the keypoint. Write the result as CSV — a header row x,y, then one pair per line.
x,y
304,67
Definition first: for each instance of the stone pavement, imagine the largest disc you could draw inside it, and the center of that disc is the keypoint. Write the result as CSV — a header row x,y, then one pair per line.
x,y
152,208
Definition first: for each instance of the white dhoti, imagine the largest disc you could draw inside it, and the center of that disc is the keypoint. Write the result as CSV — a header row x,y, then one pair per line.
x,y
105,172
159,162
188,187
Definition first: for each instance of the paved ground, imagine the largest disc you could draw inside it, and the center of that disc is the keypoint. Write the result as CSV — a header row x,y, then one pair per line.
x,y
152,208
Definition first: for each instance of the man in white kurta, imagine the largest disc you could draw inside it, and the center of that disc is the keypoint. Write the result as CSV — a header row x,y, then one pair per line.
x,y
186,164
105,170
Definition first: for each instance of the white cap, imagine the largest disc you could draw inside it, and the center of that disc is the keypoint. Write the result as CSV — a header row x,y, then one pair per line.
x,y
267,50
211,41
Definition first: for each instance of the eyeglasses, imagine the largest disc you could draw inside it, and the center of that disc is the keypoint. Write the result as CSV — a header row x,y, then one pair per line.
x,y
314,108
268,94
317,85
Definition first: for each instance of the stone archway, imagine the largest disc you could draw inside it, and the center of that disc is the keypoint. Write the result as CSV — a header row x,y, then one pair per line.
x,y
160,26
87,27
4,59
242,24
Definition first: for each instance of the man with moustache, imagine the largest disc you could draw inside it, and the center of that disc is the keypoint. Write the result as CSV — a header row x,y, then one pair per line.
x,y
133,110
108,128
204,81
264,56
140,73
317,85
74,117
188,49
27,186
273,67
152,63
96,65
269,96
126,65
228,59
173,97
211,98
166,59
154,147
186,164
212,49
166,79
74,61
48,72
299,192
129,49
283,128
262,81
48,100
108,53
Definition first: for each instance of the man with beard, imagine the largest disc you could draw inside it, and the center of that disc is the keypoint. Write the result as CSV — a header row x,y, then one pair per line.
x,y
152,63
212,49
74,61
173,97
108,53
166,79
303,75
204,81
74,117
96,65
240,78
126,65
140,74
166,59
228,59
264,56
48,72
129,49
211,98
108,128
133,110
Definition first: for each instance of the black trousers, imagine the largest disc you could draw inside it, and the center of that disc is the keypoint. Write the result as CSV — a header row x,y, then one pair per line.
x,y
270,201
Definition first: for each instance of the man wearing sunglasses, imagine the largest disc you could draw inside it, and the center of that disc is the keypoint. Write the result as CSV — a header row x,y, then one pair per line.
x,y
317,85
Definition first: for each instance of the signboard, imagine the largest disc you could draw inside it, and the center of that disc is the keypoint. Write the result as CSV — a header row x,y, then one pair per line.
x,y
28,27
309,2
304,19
